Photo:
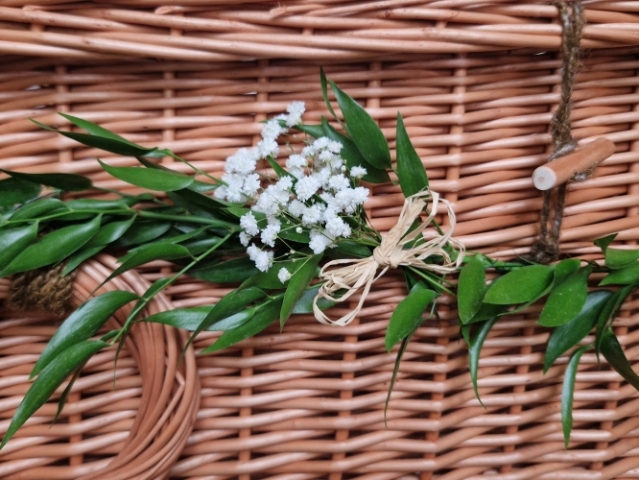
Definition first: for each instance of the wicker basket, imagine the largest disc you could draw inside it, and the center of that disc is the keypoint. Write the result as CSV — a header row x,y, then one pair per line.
x,y
128,423
476,83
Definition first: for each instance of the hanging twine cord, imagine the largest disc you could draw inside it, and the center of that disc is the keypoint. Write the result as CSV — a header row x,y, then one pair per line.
x,y
43,289
546,248
402,246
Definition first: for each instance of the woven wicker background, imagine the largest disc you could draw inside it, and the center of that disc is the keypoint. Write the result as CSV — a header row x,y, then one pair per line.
x,y
476,84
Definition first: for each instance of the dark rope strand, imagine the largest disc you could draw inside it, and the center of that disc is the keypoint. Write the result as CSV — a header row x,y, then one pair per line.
x,y
546,248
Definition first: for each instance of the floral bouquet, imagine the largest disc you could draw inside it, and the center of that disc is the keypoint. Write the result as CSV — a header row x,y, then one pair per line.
x,y
293,237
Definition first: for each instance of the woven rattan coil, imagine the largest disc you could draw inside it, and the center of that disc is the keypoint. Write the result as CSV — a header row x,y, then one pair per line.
x,y
476,83
130,422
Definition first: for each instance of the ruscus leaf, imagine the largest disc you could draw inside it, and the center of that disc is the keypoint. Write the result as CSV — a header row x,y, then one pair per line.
x,y
14,240
568,392
297,284
612,351
521,285
474,351
16,190
62,181
82,324
616,258
570,334
471,289
39,208
566,300
624,276
410,170
150,178
53,247
363,130
408,314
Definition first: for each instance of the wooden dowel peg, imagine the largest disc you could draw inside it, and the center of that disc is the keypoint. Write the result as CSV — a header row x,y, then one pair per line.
x,y
561,170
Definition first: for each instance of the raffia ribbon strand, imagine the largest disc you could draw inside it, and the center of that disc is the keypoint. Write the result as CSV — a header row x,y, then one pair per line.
x,y
354,275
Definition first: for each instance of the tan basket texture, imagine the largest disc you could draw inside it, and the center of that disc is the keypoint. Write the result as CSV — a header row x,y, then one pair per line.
x,y
477,84
129,422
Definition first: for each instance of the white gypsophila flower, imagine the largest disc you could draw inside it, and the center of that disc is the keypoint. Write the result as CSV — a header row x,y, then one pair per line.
x,y
266,204
323,176
313,215
251,185
243,161
325,156
358,172
319,242
321,143
349,199
309,151
284,184
234,183
338,182
296,161
295,111
245,238
220,192
306,187
272,130
269,234
284,275
296,208
262,259
334,146
335,226
267,147
299,230
248,222
296,172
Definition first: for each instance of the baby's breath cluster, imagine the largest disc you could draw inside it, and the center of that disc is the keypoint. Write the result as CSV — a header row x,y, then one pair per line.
x,y
314,196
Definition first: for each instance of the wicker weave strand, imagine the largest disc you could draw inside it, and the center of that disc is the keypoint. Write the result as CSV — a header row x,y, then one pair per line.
x,y
391,253
546,249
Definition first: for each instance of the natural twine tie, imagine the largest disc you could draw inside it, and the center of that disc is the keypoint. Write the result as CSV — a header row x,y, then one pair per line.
x,y
402,246
42,289
546,248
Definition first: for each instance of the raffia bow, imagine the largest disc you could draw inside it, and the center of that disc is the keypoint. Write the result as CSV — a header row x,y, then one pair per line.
x,y
360,274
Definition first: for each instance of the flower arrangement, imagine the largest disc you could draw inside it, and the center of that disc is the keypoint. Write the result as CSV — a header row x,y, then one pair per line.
x,y
293,239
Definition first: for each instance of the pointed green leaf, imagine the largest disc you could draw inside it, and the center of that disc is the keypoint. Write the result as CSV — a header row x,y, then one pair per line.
x,y
564,269
110,232
299,281
625,276
488,311
279,171
474,351
604,242
612,351
75,260
305,303
410,170
82,324
409,314
62,181
397,363
148,253
616,259
568,391
81,204
570,334
353,157
264,315
191,318
608,313
520,285
350,249
363,130
471,289
315,131
53,247
566,300
49,380
270,279
14,240
143,231
230,271
16,190
152,179
324,86
94,129
118,146
38,208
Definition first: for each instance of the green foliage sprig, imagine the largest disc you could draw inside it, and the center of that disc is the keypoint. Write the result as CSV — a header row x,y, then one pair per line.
x,y
201,232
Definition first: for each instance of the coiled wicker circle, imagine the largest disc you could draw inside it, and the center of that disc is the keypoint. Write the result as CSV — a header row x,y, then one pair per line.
x,y
126,422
